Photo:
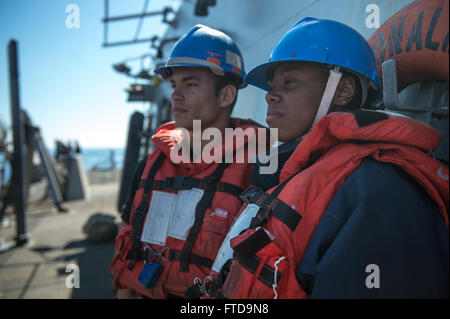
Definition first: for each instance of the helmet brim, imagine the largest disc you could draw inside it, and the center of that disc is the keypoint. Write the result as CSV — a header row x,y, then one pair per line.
x,y
166,70
258,76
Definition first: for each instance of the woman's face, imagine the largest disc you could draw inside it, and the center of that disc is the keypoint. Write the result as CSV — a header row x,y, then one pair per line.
x,y
294,97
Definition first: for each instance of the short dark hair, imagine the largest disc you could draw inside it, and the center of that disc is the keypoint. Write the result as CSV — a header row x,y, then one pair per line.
x,y
227,79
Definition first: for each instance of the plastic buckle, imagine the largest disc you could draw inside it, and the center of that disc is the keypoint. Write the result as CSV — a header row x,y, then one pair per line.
x,y
251,194
174,183
187,182
168,183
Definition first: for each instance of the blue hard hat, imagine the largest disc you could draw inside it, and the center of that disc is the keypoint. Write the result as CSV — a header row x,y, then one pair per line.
x,y
321,41
206,47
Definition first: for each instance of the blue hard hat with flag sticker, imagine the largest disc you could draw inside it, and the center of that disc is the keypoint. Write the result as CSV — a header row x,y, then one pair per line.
x,y
206,47
321,41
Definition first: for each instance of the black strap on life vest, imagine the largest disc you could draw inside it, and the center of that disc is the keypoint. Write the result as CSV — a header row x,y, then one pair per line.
x,y
178,183
204,203
174,255
141,210
210,184
244,254
193,258
251,263
270,205
254,243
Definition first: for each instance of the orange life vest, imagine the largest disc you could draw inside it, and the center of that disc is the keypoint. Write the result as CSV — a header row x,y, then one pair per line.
x,y
268,254
182,260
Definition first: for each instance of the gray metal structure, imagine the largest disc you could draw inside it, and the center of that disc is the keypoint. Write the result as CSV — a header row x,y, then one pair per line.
x,y
48,169
165,12
25,136
19,168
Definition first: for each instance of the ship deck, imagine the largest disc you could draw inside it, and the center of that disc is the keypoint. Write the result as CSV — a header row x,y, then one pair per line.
x,y
38,269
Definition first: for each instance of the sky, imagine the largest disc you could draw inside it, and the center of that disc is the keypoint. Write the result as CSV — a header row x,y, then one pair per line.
x,y
67,84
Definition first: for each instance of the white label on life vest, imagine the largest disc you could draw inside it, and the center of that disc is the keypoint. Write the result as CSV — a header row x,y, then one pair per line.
x,y
158,218
241,223
184,215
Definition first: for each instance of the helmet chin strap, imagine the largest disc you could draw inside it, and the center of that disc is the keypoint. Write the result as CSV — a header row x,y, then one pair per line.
x,y
364,89
328,94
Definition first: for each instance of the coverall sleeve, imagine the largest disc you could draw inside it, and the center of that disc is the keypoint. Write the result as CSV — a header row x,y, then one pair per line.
x,y
382,236
125,210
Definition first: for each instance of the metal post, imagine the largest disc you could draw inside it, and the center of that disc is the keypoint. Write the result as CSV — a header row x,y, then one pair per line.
x,y
49,170
19,172
134,16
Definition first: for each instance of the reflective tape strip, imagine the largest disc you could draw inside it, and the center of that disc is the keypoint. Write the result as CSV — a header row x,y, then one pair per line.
x,y
183,215
241,223
158,218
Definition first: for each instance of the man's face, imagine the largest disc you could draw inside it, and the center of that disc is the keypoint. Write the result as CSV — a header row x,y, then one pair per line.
x,y
193,97
295,95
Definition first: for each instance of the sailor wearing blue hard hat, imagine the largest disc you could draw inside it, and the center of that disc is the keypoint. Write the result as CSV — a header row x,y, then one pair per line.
x,y
179,210
337,52
359,209
214,57
206,47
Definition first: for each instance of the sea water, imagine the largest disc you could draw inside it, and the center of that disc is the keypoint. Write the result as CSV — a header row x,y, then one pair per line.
x,y
102,158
